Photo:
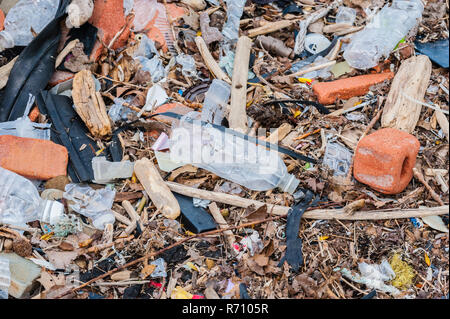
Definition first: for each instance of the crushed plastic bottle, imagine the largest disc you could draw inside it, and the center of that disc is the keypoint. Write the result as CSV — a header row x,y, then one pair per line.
x,y
20,202
106,171
215,103
5,277
381,36
24,16
94,204
23,127
346,15
228,156
235,8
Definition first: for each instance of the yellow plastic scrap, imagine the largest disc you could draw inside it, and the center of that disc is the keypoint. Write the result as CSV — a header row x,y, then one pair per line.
x,y
191,266
304,80
297,113
180,293
427,259
322,238
404,273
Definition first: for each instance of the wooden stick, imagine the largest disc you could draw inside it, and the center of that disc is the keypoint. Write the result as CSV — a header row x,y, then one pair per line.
x,y
418,174
311,214
122,218
154,186
215,212
132,213
270,27
410,83
443,122
238,116
209,60
279,133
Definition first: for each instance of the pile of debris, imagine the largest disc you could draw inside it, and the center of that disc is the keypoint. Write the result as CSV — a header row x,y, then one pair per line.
x,y
224,149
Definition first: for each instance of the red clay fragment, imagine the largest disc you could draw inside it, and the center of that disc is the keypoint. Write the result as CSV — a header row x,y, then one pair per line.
x,y
109,18
384,160
33,158
328,92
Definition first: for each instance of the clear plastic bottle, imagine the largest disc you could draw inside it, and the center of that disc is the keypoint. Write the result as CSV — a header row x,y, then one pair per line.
x,y
381,36
20,202
228,156
94,204
235,8
26,14
215,103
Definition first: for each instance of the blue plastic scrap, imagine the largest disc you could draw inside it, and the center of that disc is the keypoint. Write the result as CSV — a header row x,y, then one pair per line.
x,y
437,51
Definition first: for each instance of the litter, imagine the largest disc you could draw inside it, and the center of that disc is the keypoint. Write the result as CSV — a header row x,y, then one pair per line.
x,y
205,149
381,35
95,204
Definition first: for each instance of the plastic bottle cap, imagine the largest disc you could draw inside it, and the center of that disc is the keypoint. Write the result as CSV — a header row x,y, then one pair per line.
x,y
315,43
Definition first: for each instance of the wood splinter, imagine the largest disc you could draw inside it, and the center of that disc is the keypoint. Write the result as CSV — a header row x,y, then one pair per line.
x,y
89,104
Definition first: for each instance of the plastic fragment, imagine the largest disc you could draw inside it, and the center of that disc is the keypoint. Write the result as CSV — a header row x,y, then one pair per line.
x,y
160,270
180,293
315,43
161,143
106,171
437,51
373,276
346,15
337,158
95,204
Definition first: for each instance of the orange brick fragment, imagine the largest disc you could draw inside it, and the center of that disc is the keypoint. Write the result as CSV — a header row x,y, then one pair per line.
x,y
33,158
177,108
384,160
109,18
2,20
328,92
34,114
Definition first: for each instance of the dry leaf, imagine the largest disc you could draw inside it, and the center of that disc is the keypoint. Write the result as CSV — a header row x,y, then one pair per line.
x,y
261,260
147,271
259,214
61,259
122,275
